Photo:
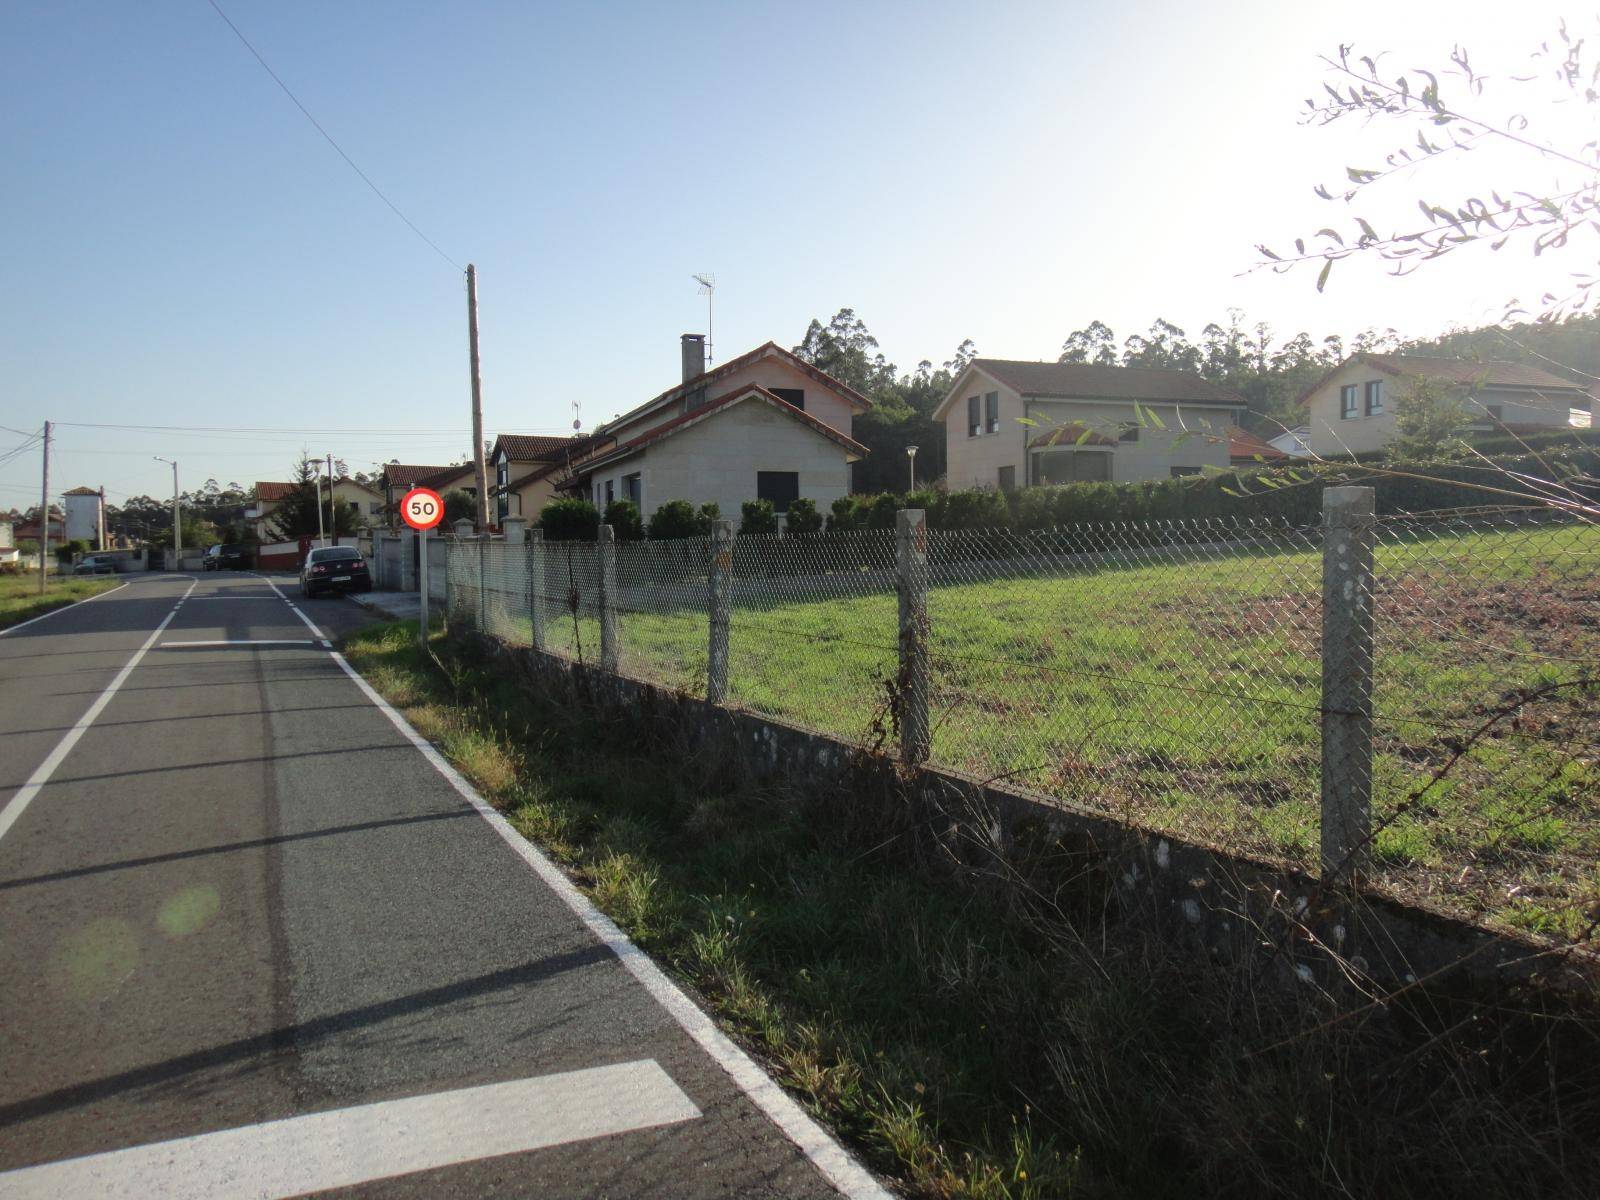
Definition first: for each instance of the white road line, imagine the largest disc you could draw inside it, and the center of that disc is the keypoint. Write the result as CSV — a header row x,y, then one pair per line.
x,y
310,624
846,1175
40,777
350,1146
62,609
247,642
199,598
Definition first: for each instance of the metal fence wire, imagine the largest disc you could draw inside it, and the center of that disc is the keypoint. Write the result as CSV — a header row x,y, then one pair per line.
x,y
1171,674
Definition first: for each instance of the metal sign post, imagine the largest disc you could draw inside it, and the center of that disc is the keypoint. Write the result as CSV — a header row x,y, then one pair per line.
x,y
422,509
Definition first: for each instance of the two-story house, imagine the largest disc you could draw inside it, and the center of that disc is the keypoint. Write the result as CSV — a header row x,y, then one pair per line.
x,y
523,469
1012,423
766,425
1351,409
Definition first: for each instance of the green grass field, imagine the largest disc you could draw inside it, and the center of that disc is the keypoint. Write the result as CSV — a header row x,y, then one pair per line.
x,y
1185,695
21,600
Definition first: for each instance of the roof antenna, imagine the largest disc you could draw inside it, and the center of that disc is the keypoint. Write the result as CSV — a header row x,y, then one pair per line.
x,y
708,289
577,420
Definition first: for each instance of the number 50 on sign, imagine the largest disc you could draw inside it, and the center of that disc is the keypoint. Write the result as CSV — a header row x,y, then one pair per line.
x,y
421,508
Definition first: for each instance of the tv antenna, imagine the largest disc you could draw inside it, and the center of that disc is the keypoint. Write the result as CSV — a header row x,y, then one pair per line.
x,y
577,420
708,289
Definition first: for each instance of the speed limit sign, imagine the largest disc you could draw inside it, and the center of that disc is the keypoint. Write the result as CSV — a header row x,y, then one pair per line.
x,y
421,508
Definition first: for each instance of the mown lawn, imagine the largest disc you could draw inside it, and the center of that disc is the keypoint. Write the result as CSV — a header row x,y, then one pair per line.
x,y
21,600
1185,695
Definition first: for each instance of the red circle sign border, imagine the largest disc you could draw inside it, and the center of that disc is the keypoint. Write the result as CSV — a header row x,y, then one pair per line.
x,y
405,508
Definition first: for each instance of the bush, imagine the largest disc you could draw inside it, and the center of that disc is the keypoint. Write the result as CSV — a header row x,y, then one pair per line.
x,y
68,550
569,521
674,519
623,517
842,518
709,513
880,511
758,518
976,508
804,517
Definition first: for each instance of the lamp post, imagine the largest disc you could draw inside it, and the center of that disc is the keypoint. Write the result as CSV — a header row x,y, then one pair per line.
x,y
911,461
177,532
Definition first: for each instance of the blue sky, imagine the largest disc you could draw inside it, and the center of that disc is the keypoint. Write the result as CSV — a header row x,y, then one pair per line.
x,y
181,247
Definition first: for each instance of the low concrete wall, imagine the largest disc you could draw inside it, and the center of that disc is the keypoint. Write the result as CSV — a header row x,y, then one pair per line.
x,y
1230,904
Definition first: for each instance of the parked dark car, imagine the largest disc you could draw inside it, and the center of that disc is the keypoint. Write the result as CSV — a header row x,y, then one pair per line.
x,y
96,564
334,569
229,557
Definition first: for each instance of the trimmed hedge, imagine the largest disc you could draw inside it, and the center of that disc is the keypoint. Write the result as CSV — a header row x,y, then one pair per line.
x,y
623,517
570,521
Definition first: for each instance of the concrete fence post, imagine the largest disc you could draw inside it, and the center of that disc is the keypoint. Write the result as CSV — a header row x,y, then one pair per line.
x,y
1347,632
721,611
911,582
483,583
536,574
607,553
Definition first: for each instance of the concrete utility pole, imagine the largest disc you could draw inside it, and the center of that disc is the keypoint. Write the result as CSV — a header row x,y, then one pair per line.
x,y
333,526
44,513
177,529
321,536
480,472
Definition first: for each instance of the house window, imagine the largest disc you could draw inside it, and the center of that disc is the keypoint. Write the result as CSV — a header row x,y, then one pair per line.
x,y
633,489
974,416
1130,433
780,487
1179,472
611,490
795,396
1374,397
1347,402
1008,479
991,405
1496,411
1072,466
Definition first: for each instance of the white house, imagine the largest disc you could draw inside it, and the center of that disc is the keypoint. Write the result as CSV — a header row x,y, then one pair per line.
x,y
766,425
1351,409
1012,423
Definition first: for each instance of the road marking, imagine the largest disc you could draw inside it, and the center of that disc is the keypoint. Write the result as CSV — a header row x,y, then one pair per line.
x,y
40,777
350,1146
62,609
294,608
198,598
248,642
836,1165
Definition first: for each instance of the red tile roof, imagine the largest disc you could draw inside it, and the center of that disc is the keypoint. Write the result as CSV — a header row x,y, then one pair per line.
x,y
524,447
1244,446
1070,435
271,492
1086,381
407,474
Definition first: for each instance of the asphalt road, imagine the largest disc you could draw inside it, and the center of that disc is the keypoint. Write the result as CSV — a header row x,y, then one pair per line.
x,y
249,927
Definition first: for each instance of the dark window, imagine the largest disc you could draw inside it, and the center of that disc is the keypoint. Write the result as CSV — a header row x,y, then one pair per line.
x,y
1496,412
795,396
633,488
1177,472
1374,397
1347,402
1130,433
1091,466
611,490
778,486
1008,479
991,405
974,416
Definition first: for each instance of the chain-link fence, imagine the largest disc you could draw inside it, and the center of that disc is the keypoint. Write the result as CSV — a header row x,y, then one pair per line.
x,y
1170,674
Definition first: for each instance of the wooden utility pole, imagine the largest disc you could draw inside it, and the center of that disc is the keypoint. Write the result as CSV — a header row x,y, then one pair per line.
x,y
333,529
480,472
44,512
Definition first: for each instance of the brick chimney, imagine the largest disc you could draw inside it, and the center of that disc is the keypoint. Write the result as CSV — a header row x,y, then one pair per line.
x,y
694,356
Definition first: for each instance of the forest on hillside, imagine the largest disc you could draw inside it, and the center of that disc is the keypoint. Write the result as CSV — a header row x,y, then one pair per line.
x,y
1269,371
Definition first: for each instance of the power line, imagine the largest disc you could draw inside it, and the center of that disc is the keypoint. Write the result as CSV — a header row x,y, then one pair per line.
x,y
294,429
329,138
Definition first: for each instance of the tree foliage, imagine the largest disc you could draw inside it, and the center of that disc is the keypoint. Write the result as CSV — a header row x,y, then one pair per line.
x,y
303,512
1429,422
1446,111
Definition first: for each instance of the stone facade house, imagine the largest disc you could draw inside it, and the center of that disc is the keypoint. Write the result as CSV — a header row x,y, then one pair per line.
x,y
1011,424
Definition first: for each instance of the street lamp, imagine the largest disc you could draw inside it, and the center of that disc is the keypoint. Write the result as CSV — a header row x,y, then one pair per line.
x,y
177,533
911,461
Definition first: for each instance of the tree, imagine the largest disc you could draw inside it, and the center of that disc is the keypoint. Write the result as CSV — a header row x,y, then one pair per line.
x,y
459,506
1448,119
1164,346
297,513
1095,343
847,351
1429,421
